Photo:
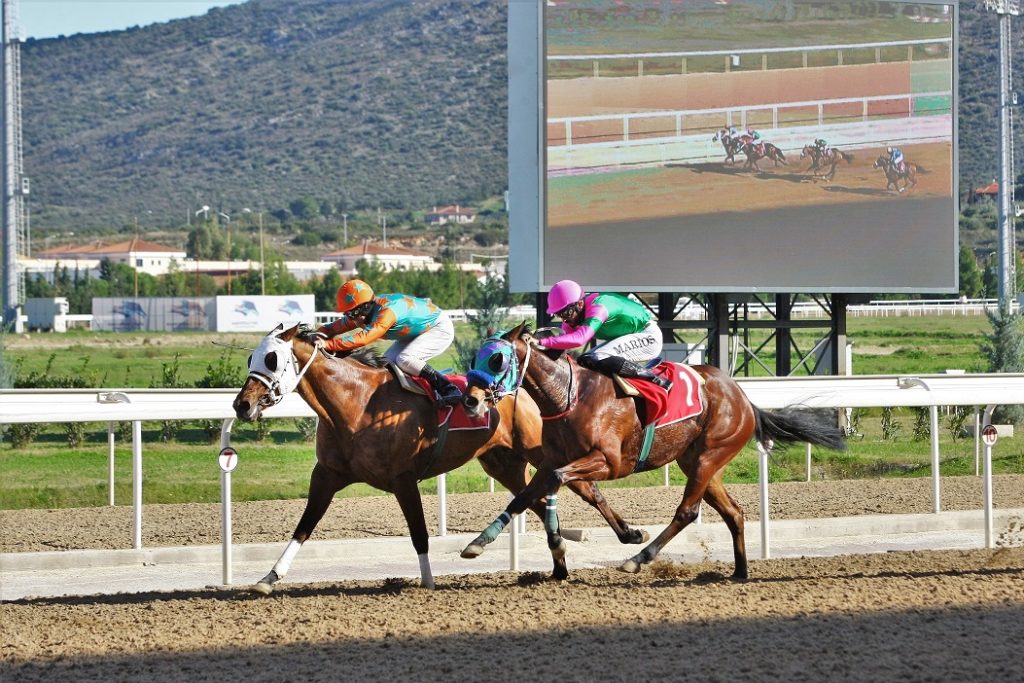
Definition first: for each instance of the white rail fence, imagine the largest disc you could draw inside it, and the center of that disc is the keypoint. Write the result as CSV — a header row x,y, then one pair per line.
x,y
685,136
731,57
138,405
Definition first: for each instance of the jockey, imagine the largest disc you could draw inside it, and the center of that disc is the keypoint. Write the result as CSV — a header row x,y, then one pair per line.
x,y
754,138
821,144
895,158
628,334
420,329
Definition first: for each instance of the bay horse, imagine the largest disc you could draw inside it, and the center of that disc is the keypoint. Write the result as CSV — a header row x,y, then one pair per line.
x,y
893,175
764,150
813,153
731,144
372,430
830,158
591,433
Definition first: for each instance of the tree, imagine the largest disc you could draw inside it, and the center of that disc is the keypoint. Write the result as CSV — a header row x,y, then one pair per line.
x,y
1004,348
305,208
972,284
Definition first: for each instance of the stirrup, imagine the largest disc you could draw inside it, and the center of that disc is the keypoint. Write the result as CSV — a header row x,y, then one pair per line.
x,y
665,384
449,395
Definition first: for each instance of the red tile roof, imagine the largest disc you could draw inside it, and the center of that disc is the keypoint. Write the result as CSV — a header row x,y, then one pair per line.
x,y
129,246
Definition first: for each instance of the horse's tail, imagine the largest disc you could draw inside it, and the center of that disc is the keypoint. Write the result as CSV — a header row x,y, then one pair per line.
x,y
847,157
921,169
789,426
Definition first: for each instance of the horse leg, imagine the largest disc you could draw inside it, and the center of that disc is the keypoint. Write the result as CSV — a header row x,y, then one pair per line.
x,y
511,472
408,494
520,501
709,463
323,484
726,506
588,491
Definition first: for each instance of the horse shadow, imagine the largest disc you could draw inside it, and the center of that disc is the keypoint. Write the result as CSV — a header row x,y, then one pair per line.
x,y
865,191
719,168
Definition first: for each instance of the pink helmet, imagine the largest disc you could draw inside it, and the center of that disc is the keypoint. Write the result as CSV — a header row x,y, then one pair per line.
x,y
562,294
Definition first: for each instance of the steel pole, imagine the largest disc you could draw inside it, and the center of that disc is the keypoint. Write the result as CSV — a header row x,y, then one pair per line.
x,y
1006,249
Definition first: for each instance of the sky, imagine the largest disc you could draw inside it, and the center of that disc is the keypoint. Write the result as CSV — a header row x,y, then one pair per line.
x,y
50,18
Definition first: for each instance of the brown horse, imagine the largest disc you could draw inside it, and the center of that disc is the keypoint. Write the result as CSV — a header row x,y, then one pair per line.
x,y
592,433
893,175
764,150
819,160
813,153
374,431
732,145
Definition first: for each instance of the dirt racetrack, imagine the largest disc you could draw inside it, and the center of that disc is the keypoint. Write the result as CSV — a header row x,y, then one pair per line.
x,y
951,615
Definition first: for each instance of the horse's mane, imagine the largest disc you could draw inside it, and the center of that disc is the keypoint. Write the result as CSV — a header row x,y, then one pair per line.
x,y
364,354
367,357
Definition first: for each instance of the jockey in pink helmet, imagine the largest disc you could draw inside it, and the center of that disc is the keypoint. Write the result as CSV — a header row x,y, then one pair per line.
x,y
627,333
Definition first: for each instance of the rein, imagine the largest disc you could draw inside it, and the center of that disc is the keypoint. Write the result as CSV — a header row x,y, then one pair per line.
x,y
572,398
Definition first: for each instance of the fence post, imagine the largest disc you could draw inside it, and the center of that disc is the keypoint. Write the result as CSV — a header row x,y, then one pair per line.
x,y
110,463
442,504
934,411
762,478
136,484
225,502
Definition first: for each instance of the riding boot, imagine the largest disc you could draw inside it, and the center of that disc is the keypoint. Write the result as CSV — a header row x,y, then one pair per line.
x,y
617,365
448,394
631,369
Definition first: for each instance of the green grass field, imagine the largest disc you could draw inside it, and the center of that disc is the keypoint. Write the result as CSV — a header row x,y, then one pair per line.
x,y
49,473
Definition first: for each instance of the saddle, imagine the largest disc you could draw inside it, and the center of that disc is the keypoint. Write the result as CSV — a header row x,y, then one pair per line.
x,y
407,382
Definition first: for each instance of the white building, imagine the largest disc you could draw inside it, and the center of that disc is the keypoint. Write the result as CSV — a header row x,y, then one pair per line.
x,y
143,256
389,258
450,214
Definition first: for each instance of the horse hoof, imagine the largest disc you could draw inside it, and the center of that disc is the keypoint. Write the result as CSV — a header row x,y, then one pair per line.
x,y
262,588
630,566
558,552
472,550
427,585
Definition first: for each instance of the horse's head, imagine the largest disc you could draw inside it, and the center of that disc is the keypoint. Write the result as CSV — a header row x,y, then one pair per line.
x,y
720,135
495,372
880,162
806,151
273,373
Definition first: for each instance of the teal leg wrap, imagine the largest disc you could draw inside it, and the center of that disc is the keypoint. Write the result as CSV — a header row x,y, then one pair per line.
x,y
551,518
491,532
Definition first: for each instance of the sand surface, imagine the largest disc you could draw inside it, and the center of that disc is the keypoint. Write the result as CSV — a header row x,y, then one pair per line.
x,y
951,615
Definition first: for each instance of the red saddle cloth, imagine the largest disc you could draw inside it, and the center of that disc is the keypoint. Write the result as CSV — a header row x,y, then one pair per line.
x,y
455,415
682,401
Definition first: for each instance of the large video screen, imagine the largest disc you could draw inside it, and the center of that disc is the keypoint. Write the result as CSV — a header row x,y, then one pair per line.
x,y
735,145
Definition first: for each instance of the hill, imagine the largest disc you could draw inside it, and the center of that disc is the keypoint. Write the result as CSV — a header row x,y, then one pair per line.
x,y
356,103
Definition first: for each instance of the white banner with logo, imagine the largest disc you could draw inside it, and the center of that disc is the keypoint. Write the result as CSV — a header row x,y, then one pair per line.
x,y
263,313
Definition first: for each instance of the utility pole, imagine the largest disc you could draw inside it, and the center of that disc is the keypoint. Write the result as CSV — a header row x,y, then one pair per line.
x,y
15,183
1007,251
344,226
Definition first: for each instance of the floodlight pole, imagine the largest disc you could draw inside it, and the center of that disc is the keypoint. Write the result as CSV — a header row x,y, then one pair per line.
x,y
1005,229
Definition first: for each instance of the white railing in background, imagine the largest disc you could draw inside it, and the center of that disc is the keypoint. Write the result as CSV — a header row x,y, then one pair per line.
x,y
138,405
764,51
693,311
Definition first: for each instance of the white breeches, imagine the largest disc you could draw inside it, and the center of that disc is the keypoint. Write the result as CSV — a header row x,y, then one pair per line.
x,y
638,347
412,354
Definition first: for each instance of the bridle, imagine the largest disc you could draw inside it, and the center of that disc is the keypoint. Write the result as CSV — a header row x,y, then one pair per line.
x,y
494,391
282,378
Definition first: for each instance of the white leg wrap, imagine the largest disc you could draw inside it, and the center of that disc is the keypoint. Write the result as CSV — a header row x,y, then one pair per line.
x,y
285,561
426,577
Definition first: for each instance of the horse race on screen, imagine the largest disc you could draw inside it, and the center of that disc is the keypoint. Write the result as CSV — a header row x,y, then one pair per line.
x,y
740,129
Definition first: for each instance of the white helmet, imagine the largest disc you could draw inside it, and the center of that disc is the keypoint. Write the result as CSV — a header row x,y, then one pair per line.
x,y
889,150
